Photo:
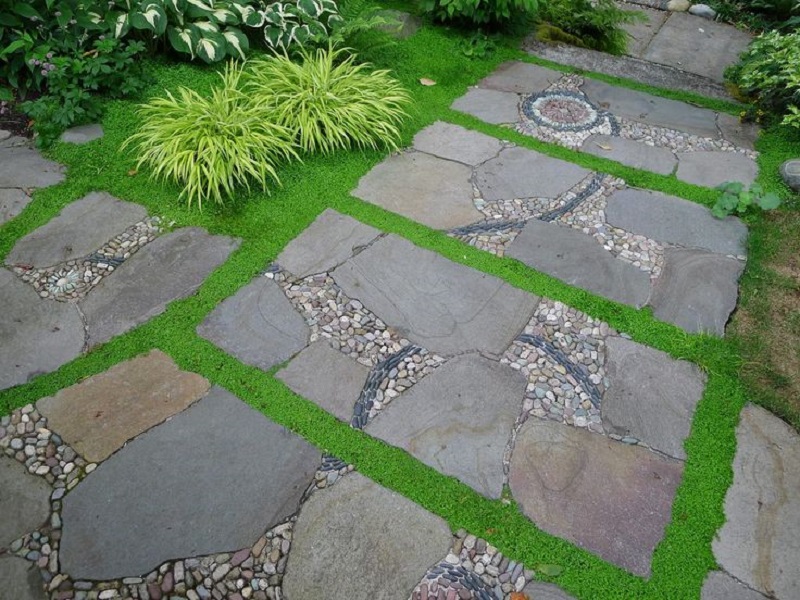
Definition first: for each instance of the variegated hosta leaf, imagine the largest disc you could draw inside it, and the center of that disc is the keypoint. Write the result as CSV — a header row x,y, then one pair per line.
x,y
95,17
329,6
273,36
206,27
273,18
310,8
201,5
254,19
151,18
177,6
183,39
122,25
210,48
223,16
236,42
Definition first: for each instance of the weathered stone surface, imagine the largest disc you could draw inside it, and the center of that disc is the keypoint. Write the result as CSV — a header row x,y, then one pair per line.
x,y
327,377
21,580
82,134
721,586
36,336
672,220
12,201
24,501
522,173
760,541
169,268
432,191
650,395
520,78
790,171
610,498
4,135
458,420
743,135
79,229
537,590
703,10
640,33
443,306
678,5
491,106
631,153
327,242
341,546
697,290
160,497
452,142
24,167
579,260
712,168
98,415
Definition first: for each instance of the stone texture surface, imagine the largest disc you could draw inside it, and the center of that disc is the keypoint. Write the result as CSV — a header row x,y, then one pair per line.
x,y
24,501
492,106
327,377
79,229
458,420
537,590
432,191
650,395
12,202
610,498
741,134
98,415
579,260
328,241
362,542
790,171
520,78
697,290
440,305
24,167
169,268
20,580
82,134
712,168
143,506
452,142
760,541
721,586
257,325
641,33
631,153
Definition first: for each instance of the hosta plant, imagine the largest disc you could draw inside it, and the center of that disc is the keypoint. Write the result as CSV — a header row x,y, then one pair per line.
x,y
294,24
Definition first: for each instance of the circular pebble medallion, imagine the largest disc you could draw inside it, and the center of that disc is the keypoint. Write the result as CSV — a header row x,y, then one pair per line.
x,y
562,110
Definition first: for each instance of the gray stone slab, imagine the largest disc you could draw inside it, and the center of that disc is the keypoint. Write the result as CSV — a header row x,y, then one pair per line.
x,y
760,541
743,135
631,153
78,230
612,499
458,420
24,167
790,171
713,168
330,240
362,542
522,173
82,134
258,325
429,190
492,106
211,479
452,142
12,202
169,268
24,501
536,590
327,377
641,33
672,220
21,580
443,306
579,260
697,290
36,336
650,395
721,586
520,78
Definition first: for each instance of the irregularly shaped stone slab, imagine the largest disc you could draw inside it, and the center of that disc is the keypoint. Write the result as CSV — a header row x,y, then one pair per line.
x,y
342,547
36,336
631,153
24,167
452,142
491,106
12,202
82,134
20,580
79,229
432,191
712,168
257,325
458,420
327,377
169,268
520,78
98,415
522,173
650,395
721,586
579,260
672,220
697,290
440,305
610,498
760,541
743,135
537,590
211,479
330,240
641,33
24,501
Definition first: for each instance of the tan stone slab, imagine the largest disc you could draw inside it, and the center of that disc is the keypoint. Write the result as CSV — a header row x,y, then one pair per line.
x,y
97,416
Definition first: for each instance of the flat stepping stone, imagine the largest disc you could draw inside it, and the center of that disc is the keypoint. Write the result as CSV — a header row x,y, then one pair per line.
x,y
164,495
170,267
24,501
650,396
537,590
579,260
672,220
24,167
258,325
697,290
721,586
520,78
458,420
429,190
78,230
82,134
12,202
743,135
21,579
760,541
329,241
612,499
341,547
712,168
492,106
452,142
327,377
641,33
98,415
631,153
440,305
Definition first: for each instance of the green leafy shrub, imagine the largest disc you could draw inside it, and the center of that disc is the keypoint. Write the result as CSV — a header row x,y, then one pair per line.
x,y
479,12
736,199
759,15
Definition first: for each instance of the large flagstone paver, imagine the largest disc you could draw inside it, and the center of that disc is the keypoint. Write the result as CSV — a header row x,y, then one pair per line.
x,y
520,78
632,153
23,167
545,591
98,415
492,106
24,502
12,202
721,586
452,142
713,168
362,542
20,580
211,479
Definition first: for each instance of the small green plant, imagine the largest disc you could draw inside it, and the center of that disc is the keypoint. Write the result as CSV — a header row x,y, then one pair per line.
x,y
736,199
478,45
480,12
